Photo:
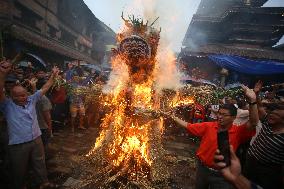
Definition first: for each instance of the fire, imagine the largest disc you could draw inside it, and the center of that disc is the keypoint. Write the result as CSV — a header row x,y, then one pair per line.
x,y
179,100
130,140
143,96
136,146
129,143
125,130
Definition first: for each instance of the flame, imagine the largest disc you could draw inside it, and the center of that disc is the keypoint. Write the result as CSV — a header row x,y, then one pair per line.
x,y
143,96
180,100
130,139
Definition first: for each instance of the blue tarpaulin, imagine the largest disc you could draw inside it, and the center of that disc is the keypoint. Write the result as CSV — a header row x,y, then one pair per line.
x,y
247,66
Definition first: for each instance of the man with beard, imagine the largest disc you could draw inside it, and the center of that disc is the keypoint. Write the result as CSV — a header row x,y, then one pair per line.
x,y
25,144
207,176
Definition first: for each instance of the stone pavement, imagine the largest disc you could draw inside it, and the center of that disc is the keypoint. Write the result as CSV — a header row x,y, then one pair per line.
x,y
66,148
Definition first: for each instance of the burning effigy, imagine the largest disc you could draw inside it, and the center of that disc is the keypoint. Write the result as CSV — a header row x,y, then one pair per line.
x,y
128,153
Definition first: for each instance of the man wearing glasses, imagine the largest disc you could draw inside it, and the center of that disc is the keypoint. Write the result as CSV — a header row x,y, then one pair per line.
x,y
207,176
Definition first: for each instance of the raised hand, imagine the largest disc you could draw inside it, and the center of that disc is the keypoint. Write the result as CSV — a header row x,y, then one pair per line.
x,y
55,71
250,94
5,67
33,82
257,87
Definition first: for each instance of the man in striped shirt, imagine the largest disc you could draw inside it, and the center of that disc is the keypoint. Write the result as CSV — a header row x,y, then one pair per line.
x,y
265,158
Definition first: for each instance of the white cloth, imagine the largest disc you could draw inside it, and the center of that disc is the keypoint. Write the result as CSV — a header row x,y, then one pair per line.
x,y
242,117
257,129
214,110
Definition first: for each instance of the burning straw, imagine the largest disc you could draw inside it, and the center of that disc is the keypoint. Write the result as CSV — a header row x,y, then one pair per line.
x,y
128,152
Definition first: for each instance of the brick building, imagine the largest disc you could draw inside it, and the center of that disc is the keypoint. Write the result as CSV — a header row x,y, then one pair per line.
x,y
55,30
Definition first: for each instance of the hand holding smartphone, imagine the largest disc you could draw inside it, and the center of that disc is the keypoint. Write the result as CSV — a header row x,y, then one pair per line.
x,y
224,146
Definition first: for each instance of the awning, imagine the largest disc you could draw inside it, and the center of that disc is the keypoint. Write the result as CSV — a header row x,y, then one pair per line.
x,y
247,66
253,53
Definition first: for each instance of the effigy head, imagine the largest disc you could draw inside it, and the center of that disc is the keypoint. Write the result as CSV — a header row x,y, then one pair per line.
x,y
138,46
135,47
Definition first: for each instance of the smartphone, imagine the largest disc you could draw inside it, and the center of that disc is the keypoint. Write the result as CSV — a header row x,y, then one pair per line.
x,y
224,146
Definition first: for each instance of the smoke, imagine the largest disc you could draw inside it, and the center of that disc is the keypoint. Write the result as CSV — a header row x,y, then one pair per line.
x,y
173,25
118,77
200,38
174,16
166,73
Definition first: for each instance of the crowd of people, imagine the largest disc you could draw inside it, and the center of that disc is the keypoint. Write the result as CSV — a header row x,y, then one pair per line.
x,y
258,122
31,107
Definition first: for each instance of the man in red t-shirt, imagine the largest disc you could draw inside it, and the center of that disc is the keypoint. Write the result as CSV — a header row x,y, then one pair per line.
x,y
206,175
59,101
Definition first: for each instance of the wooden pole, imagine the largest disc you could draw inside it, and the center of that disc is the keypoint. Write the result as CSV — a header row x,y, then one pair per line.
x,y
1,46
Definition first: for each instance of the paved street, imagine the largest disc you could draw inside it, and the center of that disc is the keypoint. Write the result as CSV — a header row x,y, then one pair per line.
x,y
65,150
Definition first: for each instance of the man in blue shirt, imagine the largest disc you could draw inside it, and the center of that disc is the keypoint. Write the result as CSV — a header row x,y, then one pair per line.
x,y
24,133
69,72
77,103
